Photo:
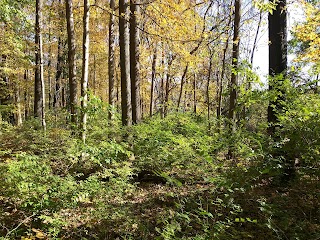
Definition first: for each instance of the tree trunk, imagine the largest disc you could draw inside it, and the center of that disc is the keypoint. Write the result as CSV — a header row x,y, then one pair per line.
x,y
111,59
18,102
134,61
235,58
181,85
94,76
85,70
126,107
39,89
57,94
162,101
153,78
220,83
234,74
26,97
73,85
208,90
277,60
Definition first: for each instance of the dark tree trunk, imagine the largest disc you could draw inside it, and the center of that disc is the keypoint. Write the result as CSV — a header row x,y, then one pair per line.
x,y
220,82
57,94
153,78
73,85
26,97
235,58
126,107
111,59
234,74
161,91
277,60
181,85
208,90
134,61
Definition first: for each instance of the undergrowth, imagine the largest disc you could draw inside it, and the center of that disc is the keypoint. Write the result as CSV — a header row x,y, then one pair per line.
x,y
161,179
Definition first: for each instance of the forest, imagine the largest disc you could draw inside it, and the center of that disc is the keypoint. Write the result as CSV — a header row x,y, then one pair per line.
x,y
153,119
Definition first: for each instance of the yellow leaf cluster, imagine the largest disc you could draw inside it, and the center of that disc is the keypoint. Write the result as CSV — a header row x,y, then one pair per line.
x,y
309,32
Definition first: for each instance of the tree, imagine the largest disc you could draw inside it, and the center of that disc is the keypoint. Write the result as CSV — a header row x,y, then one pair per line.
x,y
125,63
153,78
277,61
85,69
72,61
39,88
134,61
235,60
111,58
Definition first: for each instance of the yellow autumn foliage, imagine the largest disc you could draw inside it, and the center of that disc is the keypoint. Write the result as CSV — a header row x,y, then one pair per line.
x,y
309,32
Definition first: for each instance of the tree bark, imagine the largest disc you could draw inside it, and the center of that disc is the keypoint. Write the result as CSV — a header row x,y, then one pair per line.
x,y
181,85
73,85
208,90
111,59
126,107
85,70
57,93
220,83
234,74
39,89
277,60
153,78
134,61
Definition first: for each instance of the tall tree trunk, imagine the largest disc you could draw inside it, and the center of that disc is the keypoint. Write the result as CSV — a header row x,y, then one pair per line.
x,y
126,107
168,85
153,78
18,110
234,74
39,89
235,58
181,85
73,85
4,84
57,92
208,90
220,83
94,76
134,60
277,60
162,95
26,97
256,38
49,70
85,69
111,59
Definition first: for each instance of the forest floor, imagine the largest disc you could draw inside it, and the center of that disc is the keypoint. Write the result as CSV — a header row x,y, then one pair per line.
x,y
166,181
